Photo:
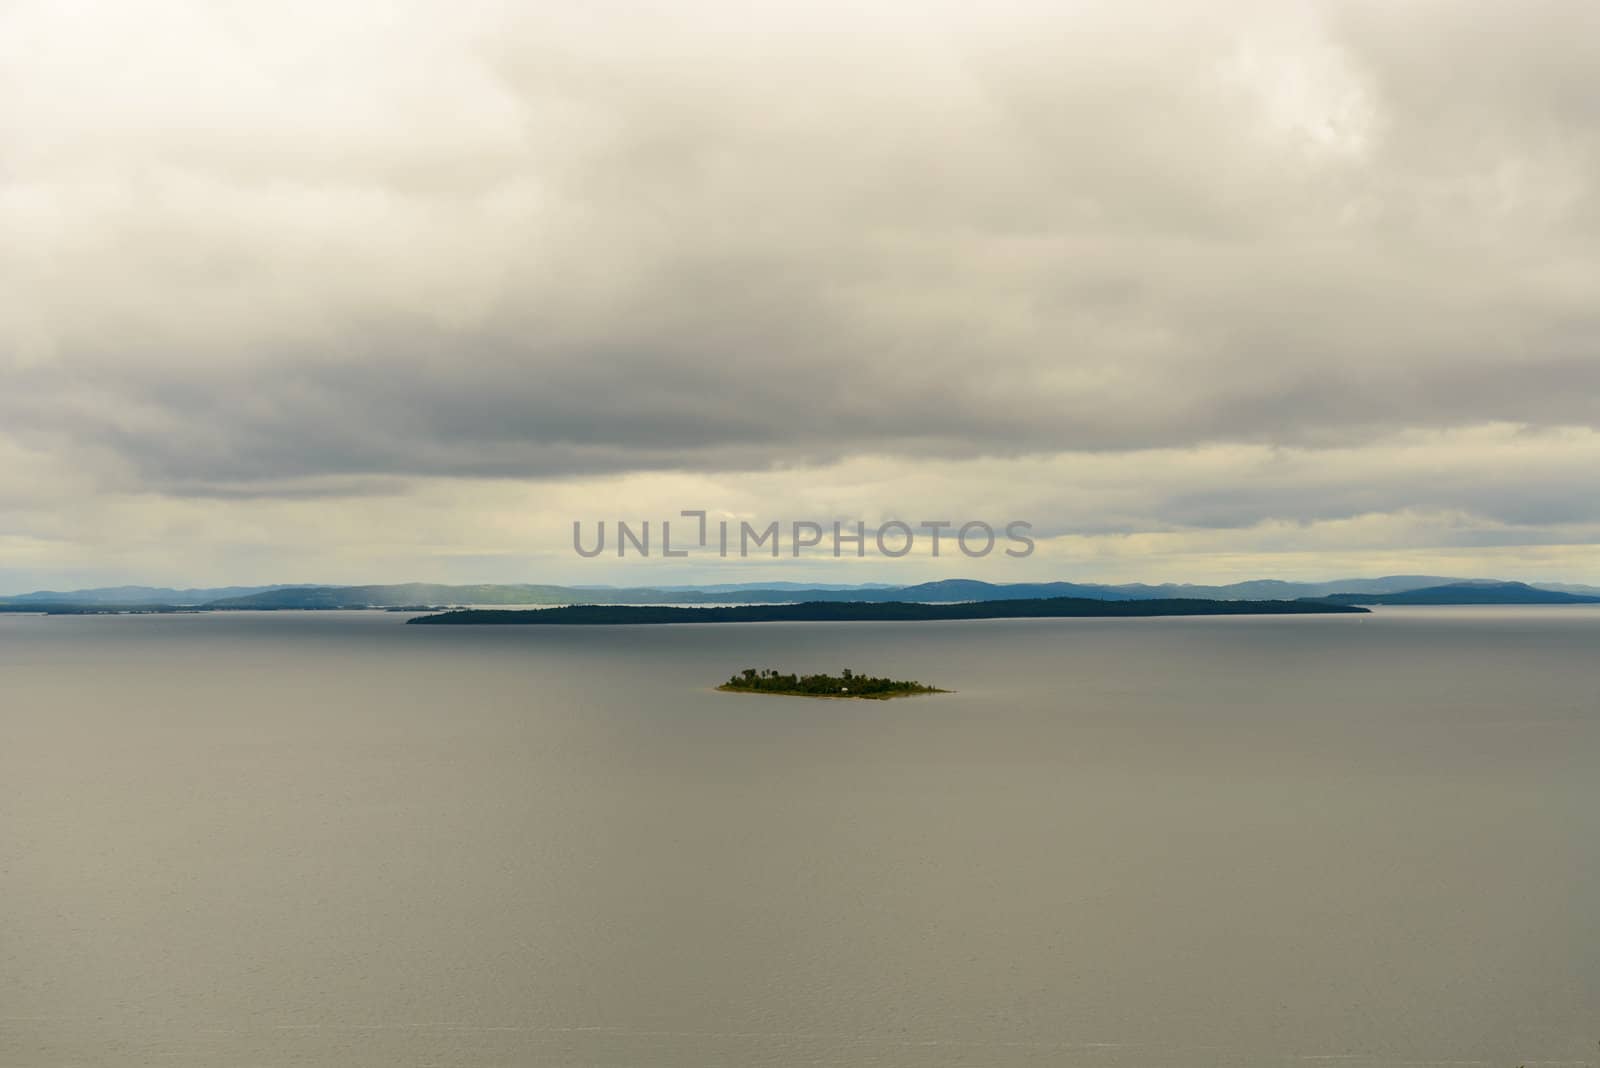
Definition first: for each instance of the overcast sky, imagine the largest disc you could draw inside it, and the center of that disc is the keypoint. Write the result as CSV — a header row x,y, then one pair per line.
x,y
349,292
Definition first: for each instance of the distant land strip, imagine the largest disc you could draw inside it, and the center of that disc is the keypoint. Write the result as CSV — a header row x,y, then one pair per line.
x,y
419,596
896,611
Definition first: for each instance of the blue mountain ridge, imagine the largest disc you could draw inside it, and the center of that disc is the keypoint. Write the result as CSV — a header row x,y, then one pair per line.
x,y
1377,590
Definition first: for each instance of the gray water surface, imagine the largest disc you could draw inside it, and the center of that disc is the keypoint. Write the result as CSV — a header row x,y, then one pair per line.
x,y
326,839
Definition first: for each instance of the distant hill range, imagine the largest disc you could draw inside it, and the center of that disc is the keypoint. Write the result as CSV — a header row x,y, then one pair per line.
x,y
1392,589
136,595
945,590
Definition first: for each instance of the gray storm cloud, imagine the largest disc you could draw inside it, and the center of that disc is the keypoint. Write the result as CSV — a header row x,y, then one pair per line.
x,y
250,247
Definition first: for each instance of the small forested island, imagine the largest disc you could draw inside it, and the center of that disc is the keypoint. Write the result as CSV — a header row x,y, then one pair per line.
x,y
845,684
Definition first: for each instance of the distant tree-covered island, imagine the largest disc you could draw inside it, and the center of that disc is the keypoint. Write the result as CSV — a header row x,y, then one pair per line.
x,y
846,684
890,611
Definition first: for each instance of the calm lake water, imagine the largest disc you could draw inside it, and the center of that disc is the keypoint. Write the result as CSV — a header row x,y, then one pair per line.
x,y
332,840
